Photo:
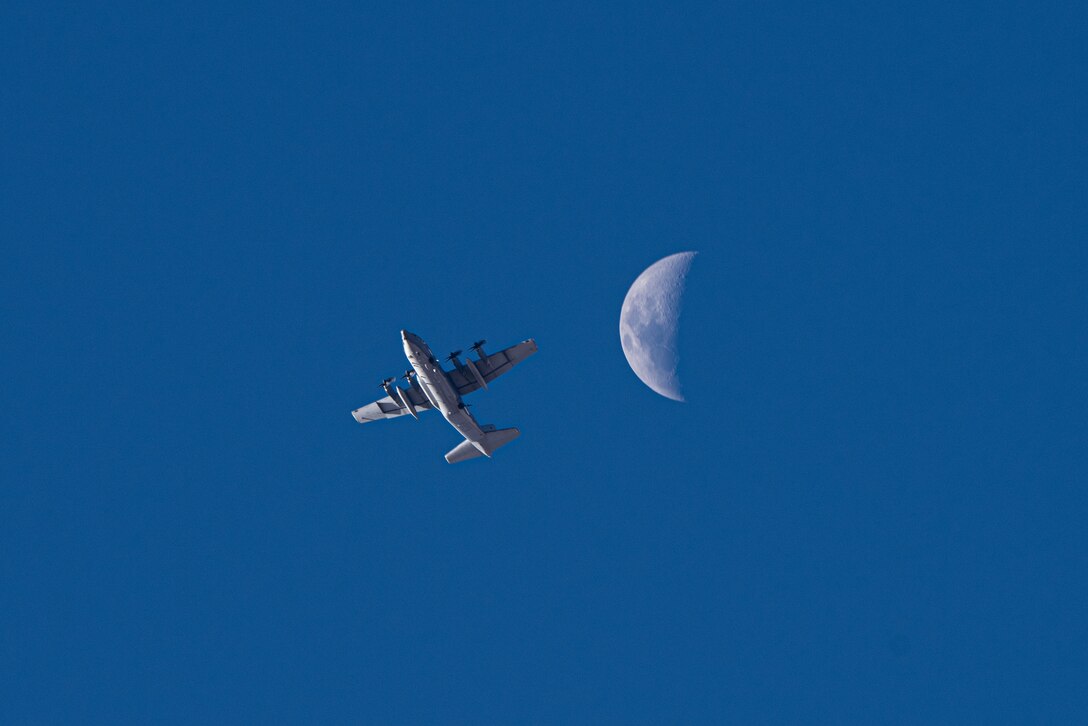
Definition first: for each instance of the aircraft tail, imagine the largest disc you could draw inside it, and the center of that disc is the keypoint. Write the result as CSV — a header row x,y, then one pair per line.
x,y
497,438
493,439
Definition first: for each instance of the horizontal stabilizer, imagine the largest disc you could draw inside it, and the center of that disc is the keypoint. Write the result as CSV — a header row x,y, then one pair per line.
x,y
493,439
463,452
498,438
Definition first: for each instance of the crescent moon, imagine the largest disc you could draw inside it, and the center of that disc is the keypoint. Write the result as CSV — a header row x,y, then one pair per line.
x,y
649,322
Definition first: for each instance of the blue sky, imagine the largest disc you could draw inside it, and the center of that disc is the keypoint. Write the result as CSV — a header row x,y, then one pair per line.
x,y
216,221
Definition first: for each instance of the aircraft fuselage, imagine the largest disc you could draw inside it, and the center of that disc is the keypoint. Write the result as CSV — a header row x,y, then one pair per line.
x,y
438,389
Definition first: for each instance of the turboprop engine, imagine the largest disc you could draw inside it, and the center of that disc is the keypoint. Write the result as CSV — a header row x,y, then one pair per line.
x,y
397,394
468,365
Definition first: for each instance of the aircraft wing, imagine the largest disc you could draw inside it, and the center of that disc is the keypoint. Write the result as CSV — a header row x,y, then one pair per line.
x,y
492,366
389,407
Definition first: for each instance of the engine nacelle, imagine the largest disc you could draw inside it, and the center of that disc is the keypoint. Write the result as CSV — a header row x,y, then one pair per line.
x,y
405,401
475,373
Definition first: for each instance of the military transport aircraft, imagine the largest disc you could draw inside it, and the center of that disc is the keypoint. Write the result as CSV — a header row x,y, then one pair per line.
x,y
429,386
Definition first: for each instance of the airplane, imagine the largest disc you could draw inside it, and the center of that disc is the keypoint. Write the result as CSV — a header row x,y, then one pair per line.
x,y
429,386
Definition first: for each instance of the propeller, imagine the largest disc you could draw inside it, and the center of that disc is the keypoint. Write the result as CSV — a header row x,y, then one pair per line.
x,y
478,344
453,355
408,374
385,382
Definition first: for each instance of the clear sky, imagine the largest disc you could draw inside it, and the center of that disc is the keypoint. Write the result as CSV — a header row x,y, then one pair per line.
x,y
215,223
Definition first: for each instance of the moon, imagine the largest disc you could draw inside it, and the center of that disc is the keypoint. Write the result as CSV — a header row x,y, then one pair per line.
x,y
649,321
